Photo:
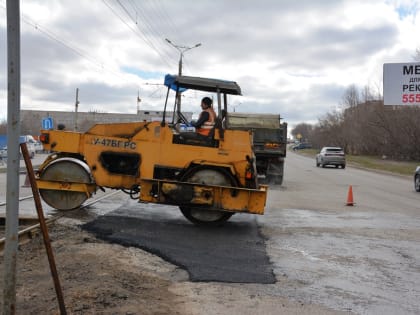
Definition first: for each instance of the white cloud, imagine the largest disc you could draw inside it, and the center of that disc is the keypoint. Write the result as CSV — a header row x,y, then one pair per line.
x,y
295,58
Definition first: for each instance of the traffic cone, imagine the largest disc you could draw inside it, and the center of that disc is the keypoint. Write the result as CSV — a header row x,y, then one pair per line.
x,y
27,183
350,197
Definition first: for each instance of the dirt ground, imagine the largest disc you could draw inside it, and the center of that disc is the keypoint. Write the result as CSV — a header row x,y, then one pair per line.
x,y
101,278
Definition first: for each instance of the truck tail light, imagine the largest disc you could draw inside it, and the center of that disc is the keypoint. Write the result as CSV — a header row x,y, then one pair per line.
x,y
271,145
248,174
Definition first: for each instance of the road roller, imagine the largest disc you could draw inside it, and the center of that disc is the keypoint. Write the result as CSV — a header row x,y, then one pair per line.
x,y
209,178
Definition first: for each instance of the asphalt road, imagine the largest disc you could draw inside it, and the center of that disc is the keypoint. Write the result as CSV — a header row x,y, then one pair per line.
x,y
363,258
233,253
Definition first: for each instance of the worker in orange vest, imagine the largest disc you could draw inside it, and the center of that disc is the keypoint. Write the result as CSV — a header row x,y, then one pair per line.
x,y
207,118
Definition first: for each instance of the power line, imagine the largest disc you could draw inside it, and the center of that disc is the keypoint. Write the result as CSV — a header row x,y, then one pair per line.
x,y
144,16
138,33
54,37
149,20
83,54
166,16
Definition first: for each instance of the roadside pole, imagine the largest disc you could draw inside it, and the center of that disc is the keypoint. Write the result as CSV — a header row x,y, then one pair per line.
x,y
13,131
76,128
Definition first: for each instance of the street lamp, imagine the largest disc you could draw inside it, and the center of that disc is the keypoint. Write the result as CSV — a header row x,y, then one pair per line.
x,y
182,50
234,106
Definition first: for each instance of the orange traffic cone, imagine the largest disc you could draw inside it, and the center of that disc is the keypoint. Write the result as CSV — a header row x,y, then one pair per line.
x,y
350,197
27,183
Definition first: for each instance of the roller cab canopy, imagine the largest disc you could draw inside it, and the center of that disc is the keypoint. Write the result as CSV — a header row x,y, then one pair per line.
x,y
202,84
180,83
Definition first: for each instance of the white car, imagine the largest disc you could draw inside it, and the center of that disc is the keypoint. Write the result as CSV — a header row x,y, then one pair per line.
x,y
31,150
3,152
38,147
417,179
331,156
3,155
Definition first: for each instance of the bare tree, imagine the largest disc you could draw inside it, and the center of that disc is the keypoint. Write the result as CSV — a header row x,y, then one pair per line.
x,y
302,131
3,127
365,126
329,130
367,94
351,97
417,55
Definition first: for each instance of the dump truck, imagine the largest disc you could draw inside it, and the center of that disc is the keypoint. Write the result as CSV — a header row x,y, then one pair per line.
x,y
209,178
269,142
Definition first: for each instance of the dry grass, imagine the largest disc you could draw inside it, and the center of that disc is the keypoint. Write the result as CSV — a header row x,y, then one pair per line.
x,y
377,163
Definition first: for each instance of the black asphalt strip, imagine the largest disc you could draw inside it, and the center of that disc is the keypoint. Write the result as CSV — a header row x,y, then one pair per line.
x,y
234,252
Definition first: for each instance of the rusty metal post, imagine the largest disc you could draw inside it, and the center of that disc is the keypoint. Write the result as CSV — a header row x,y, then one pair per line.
x,y
43,226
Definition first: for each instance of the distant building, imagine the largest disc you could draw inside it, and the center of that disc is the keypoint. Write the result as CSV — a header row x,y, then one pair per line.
x,y
32,119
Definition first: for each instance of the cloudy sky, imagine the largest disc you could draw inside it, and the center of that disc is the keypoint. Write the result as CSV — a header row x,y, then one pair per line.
x,y
295,58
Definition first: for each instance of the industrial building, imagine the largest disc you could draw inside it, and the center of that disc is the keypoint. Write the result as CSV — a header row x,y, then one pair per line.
x,y
82,121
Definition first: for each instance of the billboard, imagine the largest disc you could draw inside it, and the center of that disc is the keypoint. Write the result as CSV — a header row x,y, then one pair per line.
x,y
402,84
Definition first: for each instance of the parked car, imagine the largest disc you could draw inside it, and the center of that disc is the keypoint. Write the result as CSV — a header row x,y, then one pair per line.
x,y
3,155
38,147
331,156
3,152
31,151
417,179
301,146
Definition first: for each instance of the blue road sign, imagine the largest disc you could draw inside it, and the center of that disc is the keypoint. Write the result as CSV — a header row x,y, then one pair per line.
x,y
47,123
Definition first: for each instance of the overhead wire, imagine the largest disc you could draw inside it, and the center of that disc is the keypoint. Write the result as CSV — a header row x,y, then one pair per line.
x,y
139,32
158,11
149,25
165,16
71,46
151,14
149,19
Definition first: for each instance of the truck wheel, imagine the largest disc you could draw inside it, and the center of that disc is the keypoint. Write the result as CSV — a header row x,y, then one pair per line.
x,y
275,173
417,183
278,180
209,176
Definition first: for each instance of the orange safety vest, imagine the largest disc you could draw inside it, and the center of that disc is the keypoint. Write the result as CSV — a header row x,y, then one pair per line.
x,y
205,128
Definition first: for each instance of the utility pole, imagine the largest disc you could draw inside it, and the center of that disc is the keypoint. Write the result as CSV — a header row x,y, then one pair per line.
x,y
182,50
76,109
13,161
138,102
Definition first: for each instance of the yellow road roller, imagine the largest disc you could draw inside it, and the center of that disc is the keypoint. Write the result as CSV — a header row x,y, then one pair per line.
x,y
209,178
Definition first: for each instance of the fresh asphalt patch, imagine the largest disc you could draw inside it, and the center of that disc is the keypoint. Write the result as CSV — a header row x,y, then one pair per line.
x,y
234,252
